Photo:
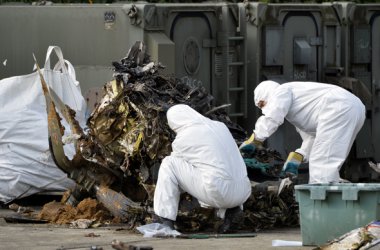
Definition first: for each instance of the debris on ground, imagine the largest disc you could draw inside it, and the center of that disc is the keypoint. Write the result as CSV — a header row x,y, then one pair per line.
x,y
92,235
118,156
20,209
374,166
82,223
363,238
265,208
119,245
86,213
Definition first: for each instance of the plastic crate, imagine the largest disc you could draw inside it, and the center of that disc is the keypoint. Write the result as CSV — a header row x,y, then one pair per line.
x,y
328,211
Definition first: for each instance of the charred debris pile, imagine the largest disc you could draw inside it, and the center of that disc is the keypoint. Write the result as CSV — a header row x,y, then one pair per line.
x,y
118,156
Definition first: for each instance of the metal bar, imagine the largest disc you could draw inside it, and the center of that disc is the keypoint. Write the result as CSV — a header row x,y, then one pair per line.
x,y
236,89
236,64
235,38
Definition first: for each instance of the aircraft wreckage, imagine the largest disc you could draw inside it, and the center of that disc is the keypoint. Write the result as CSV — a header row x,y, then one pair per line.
x,y
118,156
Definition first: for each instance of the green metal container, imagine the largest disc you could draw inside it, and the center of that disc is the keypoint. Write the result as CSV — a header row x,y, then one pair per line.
x,y
328,211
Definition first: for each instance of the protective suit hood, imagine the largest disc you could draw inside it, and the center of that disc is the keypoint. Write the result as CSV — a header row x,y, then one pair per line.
x,y
181,116
264,90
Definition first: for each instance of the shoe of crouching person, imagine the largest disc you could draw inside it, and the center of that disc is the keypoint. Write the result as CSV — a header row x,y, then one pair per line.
x,y
232,218
164,221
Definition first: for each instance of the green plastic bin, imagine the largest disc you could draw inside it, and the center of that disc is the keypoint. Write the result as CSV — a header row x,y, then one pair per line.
x,y
328,211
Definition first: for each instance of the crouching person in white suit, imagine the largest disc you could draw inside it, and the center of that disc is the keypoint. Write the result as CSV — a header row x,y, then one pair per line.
x,y
206,163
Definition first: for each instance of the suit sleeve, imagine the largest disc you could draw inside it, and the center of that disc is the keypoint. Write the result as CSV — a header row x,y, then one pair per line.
x,y
274,113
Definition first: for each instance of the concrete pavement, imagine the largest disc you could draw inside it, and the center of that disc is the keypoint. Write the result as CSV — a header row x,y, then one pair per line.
x,y
48,236
27,236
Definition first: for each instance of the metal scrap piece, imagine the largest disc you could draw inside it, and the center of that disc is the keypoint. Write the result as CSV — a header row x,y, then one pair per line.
x,y
116,244
19,218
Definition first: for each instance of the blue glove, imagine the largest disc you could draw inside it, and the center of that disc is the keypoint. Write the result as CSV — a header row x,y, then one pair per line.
x,y
247,148
251,144
292,167
292,163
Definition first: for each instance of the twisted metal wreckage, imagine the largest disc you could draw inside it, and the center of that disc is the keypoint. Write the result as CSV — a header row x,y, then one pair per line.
x,y
117,158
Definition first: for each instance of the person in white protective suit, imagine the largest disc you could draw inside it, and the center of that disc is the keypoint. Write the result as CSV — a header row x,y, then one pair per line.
x,y
326,116
206,163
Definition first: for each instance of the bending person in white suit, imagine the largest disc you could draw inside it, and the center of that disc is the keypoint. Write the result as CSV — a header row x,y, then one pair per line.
x,y
206,163
327,117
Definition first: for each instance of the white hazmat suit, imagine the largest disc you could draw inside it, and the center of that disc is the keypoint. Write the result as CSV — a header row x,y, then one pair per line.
x,y
327,117
205,162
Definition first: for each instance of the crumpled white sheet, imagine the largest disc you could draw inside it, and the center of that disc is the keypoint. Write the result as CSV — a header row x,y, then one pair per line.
x,y
157,229
286,243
